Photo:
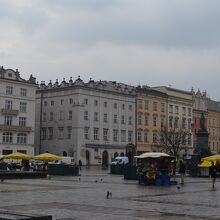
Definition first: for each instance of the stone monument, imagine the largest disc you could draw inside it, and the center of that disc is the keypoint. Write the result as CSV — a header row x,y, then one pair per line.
x,y
202,134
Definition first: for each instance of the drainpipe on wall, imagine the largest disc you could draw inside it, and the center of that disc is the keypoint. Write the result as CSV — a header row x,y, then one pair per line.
x,y
40,130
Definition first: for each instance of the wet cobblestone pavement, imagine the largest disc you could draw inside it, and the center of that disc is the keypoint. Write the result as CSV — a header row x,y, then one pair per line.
x,y
84,197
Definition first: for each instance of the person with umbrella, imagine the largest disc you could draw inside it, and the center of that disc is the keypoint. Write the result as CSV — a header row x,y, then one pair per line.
x,y
213,173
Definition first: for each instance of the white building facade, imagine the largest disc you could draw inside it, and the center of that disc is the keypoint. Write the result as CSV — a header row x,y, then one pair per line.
x,y
92,122
17,112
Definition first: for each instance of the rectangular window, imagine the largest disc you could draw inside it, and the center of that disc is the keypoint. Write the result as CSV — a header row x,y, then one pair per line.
x,y
85,101
146,104
51,116
170,122
60,132
139,137
115,135
45,103
96,102
8,104
115,119
130,136
139,118
23,92
86,115
176,109
155,106
44,116
44,133
23,107
61,115
61,101
105,118
69,132
7,137
122,119
154,137
123,135
130,120
9,90
8,120
95,116
52,103
140,103
105,104
123,106
86,133
70,100
105,134
21,138
184,110
170,108
154,121
176,122
145,136
162,124
130,107
115,105
162,107
50,133
183,123
22,121
70,115
189,123
96,133
146,119
189,111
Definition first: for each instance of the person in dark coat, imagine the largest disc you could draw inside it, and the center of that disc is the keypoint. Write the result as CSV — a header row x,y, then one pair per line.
x,y
182,171
213,173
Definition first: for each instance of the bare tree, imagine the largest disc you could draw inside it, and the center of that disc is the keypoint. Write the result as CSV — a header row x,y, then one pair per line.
x,y
173,141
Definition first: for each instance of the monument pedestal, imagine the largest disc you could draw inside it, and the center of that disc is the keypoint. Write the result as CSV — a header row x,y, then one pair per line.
x,y
202,139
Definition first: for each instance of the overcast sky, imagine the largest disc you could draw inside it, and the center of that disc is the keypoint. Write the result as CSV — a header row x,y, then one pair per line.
x,y
147,42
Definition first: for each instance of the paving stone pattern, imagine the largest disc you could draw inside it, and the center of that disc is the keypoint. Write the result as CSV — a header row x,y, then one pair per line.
x,y
84,197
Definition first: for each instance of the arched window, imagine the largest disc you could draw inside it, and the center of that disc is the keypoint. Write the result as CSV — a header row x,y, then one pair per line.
x,y
64,153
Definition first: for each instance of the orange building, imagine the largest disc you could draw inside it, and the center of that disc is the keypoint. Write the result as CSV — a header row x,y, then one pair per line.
x,y
151,116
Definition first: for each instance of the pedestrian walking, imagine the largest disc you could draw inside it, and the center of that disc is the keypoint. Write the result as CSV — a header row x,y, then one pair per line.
x,y
213,174
80,164
182,171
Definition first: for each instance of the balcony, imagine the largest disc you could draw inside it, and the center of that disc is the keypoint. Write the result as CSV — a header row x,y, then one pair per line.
x,y
9,111
15,128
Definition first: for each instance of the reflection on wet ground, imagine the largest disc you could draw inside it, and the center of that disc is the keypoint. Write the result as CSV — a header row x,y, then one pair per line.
x,y
84,197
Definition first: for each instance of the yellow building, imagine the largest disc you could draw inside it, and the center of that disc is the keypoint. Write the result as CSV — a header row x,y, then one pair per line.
x,y
214,126
151,115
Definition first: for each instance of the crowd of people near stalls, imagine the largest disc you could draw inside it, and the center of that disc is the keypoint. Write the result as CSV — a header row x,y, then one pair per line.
x,y
150,169
24,165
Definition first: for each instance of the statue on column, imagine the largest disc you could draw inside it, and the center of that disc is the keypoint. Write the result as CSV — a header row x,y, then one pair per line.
x,y
202,122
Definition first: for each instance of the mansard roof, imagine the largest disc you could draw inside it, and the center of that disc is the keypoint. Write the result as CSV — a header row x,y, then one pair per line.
x,y
105,86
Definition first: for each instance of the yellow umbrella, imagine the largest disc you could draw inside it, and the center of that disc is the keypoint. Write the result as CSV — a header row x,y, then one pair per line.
x,y
17,155
47,156
212,158
205,163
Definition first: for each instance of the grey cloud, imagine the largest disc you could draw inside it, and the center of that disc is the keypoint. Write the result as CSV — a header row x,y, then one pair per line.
x,y
189,24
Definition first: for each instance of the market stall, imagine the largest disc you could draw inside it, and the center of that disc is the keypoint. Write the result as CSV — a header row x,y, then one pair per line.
x,y
155,168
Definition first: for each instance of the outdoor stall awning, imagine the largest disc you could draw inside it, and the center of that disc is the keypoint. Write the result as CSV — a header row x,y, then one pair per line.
x,y
206,161
205,164
212,158
18,155
152,155
47,157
